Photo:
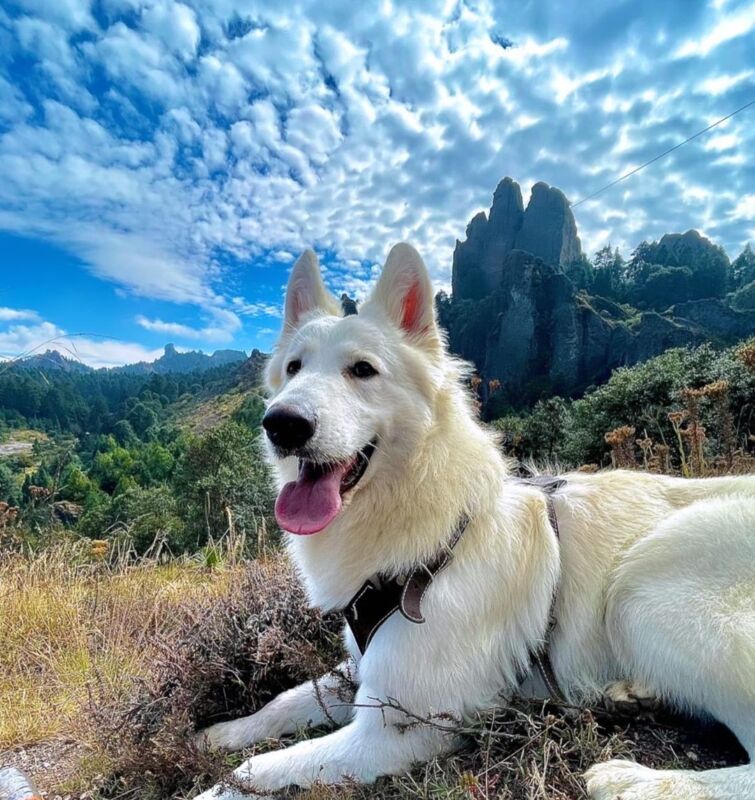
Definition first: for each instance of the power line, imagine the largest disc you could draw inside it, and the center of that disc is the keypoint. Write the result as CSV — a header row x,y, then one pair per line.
x,y
661,155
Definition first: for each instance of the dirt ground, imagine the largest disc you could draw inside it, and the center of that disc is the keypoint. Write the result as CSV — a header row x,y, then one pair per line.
x,y
660,739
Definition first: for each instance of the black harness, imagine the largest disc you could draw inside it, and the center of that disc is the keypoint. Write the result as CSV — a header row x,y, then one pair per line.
x,y
378,599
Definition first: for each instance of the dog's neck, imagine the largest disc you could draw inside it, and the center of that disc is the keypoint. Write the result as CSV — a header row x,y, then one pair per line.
x,y
404,517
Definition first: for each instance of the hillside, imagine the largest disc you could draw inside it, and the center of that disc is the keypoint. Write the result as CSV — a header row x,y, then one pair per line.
x,y
530,310
165,461
61,395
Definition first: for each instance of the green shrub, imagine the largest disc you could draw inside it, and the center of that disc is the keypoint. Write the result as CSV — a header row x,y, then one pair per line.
x,y
642,397
10,487
744,298
222,480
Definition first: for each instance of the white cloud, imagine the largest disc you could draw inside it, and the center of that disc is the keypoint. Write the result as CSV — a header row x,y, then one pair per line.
x,y
136,61
726,28
13,105
18,341
247,309
723,83
169,328
72,15
222,327
745,207
314,131
175,25
14,314
722,141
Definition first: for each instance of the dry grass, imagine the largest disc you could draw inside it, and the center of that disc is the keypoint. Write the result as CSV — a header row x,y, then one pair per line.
x,y
535,752
203,415
110,667
25,435
226,657
66,617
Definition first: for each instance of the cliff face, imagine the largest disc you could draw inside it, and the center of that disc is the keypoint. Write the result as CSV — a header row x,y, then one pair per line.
x,y
718,319
546,229
518,317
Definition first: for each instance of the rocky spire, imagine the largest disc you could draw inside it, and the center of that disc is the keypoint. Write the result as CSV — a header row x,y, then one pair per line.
x,y
506,213
546,229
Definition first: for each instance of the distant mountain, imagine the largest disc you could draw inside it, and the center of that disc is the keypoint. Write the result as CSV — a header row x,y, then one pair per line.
x,y
170,361
53,360
193,361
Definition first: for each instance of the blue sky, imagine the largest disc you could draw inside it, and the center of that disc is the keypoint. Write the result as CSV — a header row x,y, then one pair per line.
x,y
162,163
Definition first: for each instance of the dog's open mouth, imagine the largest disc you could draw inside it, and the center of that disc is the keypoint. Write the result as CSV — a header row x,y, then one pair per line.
x,y
313,500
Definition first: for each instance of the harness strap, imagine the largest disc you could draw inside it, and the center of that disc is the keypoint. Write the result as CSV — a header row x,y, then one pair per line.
x,y
541,658
378,598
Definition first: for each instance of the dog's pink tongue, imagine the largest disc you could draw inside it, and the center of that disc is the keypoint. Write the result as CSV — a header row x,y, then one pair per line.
x,y
312,501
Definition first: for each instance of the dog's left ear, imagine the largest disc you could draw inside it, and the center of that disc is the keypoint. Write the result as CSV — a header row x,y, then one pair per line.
x,y
405,294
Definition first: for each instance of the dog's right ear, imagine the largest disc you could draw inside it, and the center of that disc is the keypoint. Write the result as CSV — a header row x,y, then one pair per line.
x,y
306,292
404,294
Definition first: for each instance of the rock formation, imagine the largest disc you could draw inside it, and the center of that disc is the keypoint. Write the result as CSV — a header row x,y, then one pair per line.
x,y
716,318
546,229
191,361
518,317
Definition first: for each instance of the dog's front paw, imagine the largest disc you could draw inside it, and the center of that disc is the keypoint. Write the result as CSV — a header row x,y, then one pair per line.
x,y
629,697
625,780
268,772
253,780
616,780
221,792
225,736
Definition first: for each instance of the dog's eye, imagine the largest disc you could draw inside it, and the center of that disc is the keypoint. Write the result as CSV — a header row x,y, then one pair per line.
x,y
363,369
293,367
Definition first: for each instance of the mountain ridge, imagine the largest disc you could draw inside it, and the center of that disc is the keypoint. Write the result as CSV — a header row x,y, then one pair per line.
x,y
171,361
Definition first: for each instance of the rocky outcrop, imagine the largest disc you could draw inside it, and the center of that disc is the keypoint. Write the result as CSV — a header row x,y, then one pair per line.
x,y
691,247
251,372
546,229
518,317
716,318
67,512
538,336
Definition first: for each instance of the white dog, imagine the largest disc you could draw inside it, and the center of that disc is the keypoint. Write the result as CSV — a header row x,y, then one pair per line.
x,y
383,467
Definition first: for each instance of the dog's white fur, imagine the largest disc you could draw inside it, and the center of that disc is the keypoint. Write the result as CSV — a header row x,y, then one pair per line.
x,y
653,578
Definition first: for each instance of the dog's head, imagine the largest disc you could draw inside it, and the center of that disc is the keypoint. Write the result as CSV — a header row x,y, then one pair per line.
x,y
350,395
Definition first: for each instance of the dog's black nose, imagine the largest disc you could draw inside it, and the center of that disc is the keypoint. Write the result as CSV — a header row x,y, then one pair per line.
x,y
287,428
